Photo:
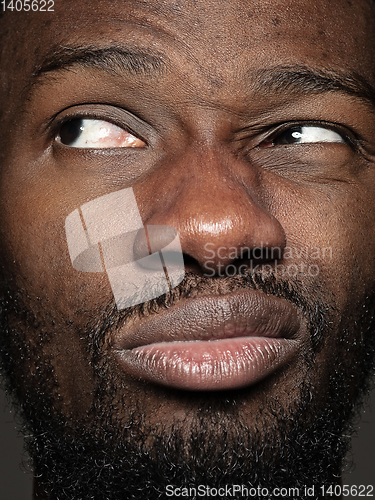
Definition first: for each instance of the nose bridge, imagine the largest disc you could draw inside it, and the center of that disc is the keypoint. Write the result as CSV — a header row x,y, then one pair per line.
x,y
210,183
214,200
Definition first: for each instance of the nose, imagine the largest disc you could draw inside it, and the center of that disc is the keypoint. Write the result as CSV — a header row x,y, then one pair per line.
x,y
217,204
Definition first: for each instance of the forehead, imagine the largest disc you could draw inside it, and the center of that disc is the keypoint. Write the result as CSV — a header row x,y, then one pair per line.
x,y
223,37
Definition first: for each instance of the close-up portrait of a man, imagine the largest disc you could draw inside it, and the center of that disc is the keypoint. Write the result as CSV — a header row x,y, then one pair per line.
x,y
187,243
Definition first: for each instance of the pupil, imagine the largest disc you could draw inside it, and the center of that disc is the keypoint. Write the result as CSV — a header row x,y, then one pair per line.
x,y
290,136
70,131
293,135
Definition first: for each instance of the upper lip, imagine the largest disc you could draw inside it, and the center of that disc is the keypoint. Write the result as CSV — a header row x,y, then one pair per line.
x,y
249,313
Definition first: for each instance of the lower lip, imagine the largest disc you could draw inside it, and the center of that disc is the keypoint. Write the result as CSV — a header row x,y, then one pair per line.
x,y
208,365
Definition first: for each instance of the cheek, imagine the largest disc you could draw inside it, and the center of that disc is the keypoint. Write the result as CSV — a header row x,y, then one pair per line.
x,y
34,247
50,320
331,230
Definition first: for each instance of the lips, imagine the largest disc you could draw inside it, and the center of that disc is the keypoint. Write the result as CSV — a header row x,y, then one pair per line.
x,y
211,343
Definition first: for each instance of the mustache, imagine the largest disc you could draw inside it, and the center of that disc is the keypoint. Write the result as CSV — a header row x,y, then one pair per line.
x,y
309,295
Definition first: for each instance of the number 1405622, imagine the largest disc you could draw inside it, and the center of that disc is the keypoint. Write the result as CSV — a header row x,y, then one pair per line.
x,y
339,490
28,5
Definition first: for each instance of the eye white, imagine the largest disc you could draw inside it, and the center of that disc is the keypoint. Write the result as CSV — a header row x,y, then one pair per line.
x,y
310,134
92,133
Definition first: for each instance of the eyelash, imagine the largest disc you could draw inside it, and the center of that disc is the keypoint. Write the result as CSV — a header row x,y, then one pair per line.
x,y
348,136
56,127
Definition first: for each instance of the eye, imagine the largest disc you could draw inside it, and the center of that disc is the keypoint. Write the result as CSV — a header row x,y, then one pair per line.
x,y
305,134
99,134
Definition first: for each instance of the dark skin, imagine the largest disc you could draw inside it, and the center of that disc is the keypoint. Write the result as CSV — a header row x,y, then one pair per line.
x,y
205,162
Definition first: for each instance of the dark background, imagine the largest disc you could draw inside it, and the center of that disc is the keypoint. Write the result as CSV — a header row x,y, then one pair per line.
x,y
15,484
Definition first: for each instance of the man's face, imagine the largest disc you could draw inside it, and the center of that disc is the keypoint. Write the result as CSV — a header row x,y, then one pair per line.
x,y
243,125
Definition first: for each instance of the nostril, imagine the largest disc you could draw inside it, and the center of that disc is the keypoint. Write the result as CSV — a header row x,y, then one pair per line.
x,y
160,237
192,265
141,246
153,239
219,261
159,243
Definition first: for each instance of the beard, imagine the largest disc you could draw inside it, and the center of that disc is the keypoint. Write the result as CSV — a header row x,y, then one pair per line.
x,y
118,452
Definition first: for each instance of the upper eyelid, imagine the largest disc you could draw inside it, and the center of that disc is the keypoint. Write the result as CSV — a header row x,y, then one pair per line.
x,y
115,115
57,139
254,136
124,119
347,134
60,123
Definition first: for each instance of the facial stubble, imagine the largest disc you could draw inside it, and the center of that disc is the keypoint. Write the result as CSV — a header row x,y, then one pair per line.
x,y
118,451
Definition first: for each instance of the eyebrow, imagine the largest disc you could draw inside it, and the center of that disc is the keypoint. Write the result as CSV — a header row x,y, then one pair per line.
x,y
113,59
303,80
281,79
117,60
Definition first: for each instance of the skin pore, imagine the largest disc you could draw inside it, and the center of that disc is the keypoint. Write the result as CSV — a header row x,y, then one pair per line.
x,y
210,91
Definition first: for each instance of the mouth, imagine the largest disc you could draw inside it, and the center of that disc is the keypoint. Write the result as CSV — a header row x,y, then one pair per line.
x,y
211,343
